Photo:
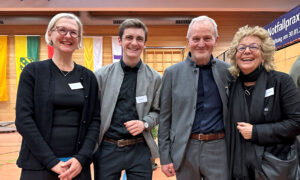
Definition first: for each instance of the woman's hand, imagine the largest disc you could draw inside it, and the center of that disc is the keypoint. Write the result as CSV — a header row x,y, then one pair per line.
x,y
73,169
245,129
58,169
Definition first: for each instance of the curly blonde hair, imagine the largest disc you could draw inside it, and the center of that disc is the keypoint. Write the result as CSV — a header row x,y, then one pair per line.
x,y
267,46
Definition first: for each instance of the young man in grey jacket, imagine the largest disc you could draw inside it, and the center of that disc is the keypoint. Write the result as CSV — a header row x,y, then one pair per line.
x,y
129,96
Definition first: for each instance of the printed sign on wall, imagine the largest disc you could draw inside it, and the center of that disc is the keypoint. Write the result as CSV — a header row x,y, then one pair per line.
x,y
285,30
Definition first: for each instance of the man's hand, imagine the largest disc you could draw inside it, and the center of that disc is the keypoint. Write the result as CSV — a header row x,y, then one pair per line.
x,y
245,129
168,170
134,127
74,168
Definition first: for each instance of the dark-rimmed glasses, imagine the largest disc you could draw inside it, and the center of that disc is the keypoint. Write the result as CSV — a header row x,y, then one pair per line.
x,y
252,47
64,31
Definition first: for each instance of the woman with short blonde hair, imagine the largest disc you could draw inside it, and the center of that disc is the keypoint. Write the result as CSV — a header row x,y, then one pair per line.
x,y
57,109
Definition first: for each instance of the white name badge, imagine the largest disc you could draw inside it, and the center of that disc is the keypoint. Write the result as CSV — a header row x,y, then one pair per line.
x,y
141,99
269,92
75,86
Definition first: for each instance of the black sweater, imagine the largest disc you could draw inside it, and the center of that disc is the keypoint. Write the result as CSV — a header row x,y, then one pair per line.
x,y
34,116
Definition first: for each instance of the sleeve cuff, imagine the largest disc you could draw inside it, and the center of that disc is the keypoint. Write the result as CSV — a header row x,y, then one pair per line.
x,y
83,161
254,134
149,121
52,163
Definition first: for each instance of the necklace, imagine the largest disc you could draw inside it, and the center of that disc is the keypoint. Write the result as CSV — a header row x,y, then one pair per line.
x,y
248,90
64,74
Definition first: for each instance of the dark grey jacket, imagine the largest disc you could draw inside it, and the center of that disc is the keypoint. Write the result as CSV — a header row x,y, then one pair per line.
x,y
178,106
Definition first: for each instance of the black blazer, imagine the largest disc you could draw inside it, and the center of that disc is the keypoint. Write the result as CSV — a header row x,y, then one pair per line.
x,y
34,116
281,122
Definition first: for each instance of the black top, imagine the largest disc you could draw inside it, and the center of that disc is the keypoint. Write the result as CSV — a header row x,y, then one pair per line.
x,y
125,109
67,112
209,110
34,116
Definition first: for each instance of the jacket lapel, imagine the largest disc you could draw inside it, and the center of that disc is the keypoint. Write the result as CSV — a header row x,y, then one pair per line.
x,y
258,97
111,93
141,84
221,86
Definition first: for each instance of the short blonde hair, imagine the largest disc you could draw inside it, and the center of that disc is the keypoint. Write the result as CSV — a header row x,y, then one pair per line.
x,y
58,17
267,47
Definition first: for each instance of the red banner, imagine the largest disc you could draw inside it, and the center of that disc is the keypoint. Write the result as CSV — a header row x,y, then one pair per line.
x,y
50,51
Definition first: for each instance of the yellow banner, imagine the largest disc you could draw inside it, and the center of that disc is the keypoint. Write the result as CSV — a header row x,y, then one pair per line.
x,y
20,51
27,51
3,61
93,52
88,53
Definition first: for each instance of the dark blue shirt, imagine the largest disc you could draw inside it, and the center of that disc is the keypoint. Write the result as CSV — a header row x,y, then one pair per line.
x,y
209,110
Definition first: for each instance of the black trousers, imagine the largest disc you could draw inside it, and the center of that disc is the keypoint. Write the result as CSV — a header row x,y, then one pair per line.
x,y
46,174
110,160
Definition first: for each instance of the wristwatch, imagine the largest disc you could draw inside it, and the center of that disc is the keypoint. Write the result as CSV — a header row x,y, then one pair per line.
x,y
146,125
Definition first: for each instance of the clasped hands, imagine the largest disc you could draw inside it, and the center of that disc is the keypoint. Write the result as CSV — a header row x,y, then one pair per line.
x,y
67,170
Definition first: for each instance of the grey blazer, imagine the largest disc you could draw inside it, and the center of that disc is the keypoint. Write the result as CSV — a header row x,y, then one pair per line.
x,y
178,106
110,79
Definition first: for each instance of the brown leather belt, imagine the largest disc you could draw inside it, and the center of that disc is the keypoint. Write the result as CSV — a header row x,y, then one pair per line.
x,y
208,137
123,142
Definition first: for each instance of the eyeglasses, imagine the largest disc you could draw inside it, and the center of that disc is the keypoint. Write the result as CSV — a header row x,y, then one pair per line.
x,y
64,31
252,47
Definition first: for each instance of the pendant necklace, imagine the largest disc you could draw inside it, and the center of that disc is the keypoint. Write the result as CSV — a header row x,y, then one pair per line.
x,y
64,74
248,90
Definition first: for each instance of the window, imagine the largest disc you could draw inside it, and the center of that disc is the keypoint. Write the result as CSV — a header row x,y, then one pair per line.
x,y
160,58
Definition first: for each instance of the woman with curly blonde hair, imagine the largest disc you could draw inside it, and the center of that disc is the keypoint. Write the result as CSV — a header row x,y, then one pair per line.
x,y
264,111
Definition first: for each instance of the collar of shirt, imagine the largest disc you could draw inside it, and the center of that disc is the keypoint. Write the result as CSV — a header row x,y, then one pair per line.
x,y
208,65
128,69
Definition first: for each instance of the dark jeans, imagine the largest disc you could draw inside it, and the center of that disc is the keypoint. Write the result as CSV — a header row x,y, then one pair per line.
x,y
110,160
